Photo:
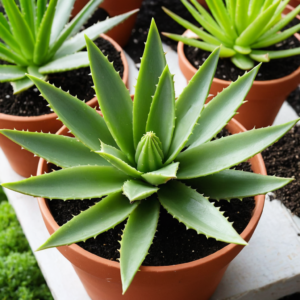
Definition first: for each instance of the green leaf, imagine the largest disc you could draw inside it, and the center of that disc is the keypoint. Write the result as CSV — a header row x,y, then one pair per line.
x,y
275,54
229,184
221,109
83,121
149,154
138,235
40,11
242,49
28,9
83,182
138,190
161,119
254,31
11,73
55,148
243,62
4,23
190,104
224,52
241,15
276,37
77,42
231,7
20,28
74,26
260,57
11,56
114,99
196,212
152,66
97,219
8,38
113,156
61,18
255,9
224,153
66,63
43,35
188,25
162,175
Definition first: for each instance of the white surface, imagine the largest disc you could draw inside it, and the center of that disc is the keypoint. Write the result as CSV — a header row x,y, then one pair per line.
x,y
267,269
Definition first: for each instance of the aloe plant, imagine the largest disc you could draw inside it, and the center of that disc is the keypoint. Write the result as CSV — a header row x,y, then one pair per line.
x,y
37,39
243,28
146,153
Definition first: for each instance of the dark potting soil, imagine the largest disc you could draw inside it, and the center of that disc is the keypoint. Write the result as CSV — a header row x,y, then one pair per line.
x,y
294,99
282,159
173,244
99,15
152,9
291,297
78,82
274,69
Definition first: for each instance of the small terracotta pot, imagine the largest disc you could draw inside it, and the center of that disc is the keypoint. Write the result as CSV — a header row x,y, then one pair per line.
x,y
195,280
294,3
22,161
264,99
122,32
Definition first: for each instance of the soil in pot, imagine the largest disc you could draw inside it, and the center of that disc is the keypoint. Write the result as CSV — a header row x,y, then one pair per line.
x,y
171,235
226,70
152,9
282,159
294,100
77,82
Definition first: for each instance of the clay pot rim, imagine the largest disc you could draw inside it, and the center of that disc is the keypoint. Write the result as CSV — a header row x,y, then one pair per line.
x,y
282,80
259,204
33,119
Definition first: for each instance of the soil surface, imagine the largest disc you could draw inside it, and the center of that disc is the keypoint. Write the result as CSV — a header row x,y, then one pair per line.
x,y
294,100
173,244
291,297
78,82
282,159
274,69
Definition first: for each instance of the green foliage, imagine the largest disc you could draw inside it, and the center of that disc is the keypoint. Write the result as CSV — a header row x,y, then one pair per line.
x,y
150,165
39,36
20,277
241,27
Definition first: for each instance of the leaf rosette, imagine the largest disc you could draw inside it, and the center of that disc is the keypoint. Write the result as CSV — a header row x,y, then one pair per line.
x,y
153,151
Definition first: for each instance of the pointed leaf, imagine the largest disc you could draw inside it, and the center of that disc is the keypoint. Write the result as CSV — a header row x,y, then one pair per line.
x,y
83,121
138,236
28,9
9,55
11,73
8,38
152,66
230,184
162,175
21,85
4,22
221,109
275,54
77,42
255,9
97,219
56,148
41,7
224,153
114,99
190,104
241,15
66,63
138,190
242,61
161,119
84,182
196,212
43,35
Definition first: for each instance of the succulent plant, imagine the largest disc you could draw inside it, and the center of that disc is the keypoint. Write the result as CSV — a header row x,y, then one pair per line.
x,y
152,151
243,28
39,40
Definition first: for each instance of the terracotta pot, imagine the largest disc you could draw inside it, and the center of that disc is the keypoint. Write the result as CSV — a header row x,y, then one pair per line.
x,y
195,280
294,3
264,99
22,161
122,32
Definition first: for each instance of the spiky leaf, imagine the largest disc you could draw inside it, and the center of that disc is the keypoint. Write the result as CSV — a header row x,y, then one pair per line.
x,y
11,73
138,190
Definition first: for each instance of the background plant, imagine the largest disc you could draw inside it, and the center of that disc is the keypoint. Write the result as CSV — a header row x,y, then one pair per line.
x,y
242,27
152,150
39,40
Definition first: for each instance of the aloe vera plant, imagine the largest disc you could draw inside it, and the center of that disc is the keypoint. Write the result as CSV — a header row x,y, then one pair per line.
x,y
243,28
37,39
146,153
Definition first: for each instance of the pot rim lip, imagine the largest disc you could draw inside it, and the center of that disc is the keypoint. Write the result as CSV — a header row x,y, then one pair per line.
x,y
182,56
47,117
259,205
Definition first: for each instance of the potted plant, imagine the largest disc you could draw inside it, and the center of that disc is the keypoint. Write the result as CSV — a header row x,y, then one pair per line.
x,y
249,33
120,33
143,155
38,40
